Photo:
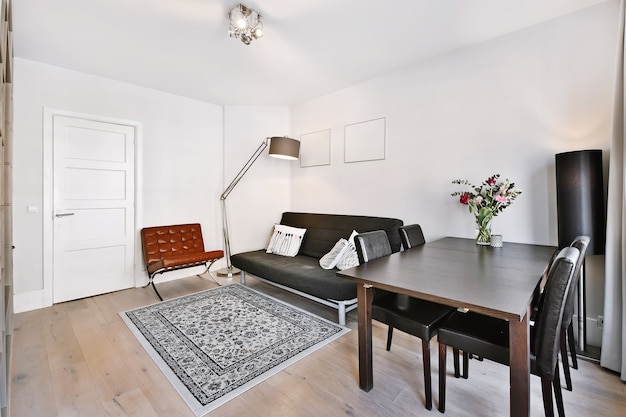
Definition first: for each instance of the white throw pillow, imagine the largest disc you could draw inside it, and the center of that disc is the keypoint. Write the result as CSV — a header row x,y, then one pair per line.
x,y
349,259
330,260
352,235
285,240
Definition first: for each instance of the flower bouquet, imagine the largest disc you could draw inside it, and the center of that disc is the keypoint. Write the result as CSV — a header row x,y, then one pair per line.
x,y
486,201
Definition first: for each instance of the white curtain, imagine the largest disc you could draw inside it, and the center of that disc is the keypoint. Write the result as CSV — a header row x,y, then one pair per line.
x,y
613,354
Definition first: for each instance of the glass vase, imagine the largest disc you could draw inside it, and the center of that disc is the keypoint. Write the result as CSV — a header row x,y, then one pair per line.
x,y
483,233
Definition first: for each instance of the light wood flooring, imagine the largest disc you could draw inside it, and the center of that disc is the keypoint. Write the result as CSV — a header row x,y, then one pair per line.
x,y
79,359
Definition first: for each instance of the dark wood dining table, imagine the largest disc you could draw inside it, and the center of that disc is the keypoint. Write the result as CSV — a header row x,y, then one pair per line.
x,y
498,282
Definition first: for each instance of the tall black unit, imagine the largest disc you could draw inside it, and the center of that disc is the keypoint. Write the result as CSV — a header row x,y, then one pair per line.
x,y
581,211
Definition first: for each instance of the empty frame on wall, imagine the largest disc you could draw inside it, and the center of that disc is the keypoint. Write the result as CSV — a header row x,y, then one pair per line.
x,y
365,141
315,149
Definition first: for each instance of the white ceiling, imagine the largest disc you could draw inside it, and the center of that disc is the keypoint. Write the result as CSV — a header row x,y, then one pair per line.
x,y
310,47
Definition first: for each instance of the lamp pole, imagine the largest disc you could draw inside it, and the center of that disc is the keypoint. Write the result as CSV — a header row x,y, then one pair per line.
x,y
280,147
229,271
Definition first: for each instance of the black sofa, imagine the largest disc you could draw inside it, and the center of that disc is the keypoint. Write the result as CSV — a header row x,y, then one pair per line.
x,y
302,274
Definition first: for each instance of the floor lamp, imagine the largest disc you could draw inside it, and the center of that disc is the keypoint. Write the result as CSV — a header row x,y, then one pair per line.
x,y
280,147
581,211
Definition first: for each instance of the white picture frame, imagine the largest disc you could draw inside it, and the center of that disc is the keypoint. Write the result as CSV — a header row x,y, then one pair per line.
x,y
315,148
365,141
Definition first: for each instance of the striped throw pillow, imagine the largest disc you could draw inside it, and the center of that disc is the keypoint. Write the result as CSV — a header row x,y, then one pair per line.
x,y
285,240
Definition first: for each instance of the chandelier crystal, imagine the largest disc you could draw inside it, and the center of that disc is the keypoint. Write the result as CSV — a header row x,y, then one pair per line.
x,y
245,24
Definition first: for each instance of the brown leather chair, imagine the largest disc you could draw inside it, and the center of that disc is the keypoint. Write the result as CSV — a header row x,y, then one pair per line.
x,y
168,248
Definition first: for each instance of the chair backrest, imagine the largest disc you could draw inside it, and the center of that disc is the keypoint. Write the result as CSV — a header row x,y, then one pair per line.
x,y
179,239
411,235
538,296
546,331
372,245
581,243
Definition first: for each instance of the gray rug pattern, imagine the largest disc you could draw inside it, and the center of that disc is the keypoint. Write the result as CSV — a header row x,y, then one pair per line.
x,y
217,343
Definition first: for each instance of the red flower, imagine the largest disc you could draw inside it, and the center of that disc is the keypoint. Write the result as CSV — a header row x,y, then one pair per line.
x,y
464,199
491,181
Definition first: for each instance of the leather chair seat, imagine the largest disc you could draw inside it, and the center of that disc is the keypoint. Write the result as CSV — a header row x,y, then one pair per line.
x,y
410,315
481,335
484,336
180,261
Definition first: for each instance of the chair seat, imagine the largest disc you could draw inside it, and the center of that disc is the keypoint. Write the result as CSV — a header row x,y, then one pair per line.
x,y
483,336
410,315
474,333
181,261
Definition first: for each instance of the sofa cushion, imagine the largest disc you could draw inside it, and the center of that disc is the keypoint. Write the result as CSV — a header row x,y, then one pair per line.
x,y
324,230
302,273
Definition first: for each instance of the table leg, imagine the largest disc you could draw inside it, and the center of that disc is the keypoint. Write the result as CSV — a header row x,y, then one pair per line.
x,y
519,342
364,298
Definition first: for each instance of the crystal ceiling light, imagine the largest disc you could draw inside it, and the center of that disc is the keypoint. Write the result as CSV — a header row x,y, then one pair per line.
x,y
245,24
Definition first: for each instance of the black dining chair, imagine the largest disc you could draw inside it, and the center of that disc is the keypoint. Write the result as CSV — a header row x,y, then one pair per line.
x,y
410,315
411,235
567,325
488,337
535,303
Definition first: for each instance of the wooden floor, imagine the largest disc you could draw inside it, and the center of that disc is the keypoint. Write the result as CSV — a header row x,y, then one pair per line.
x,y
79,359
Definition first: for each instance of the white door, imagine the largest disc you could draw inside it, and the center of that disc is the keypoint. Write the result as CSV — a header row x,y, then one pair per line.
x,y
93,207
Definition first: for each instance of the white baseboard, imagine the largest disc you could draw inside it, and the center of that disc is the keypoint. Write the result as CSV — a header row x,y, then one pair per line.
x,y
31,300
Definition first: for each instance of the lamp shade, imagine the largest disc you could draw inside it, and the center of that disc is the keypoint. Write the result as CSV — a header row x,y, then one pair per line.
x,y
580,198
284,147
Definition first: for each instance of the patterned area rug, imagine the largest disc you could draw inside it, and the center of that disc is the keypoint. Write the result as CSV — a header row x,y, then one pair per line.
x,y
216,344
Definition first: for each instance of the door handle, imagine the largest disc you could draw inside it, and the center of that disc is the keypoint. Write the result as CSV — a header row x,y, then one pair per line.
x,y
64,214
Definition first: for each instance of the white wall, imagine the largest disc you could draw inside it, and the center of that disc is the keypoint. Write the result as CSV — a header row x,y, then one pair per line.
x,y
505,106
183,164
180,152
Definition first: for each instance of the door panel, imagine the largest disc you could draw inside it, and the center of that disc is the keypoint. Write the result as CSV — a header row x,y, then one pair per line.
x,y
102,223
80,181
81,266
85,144
93,207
